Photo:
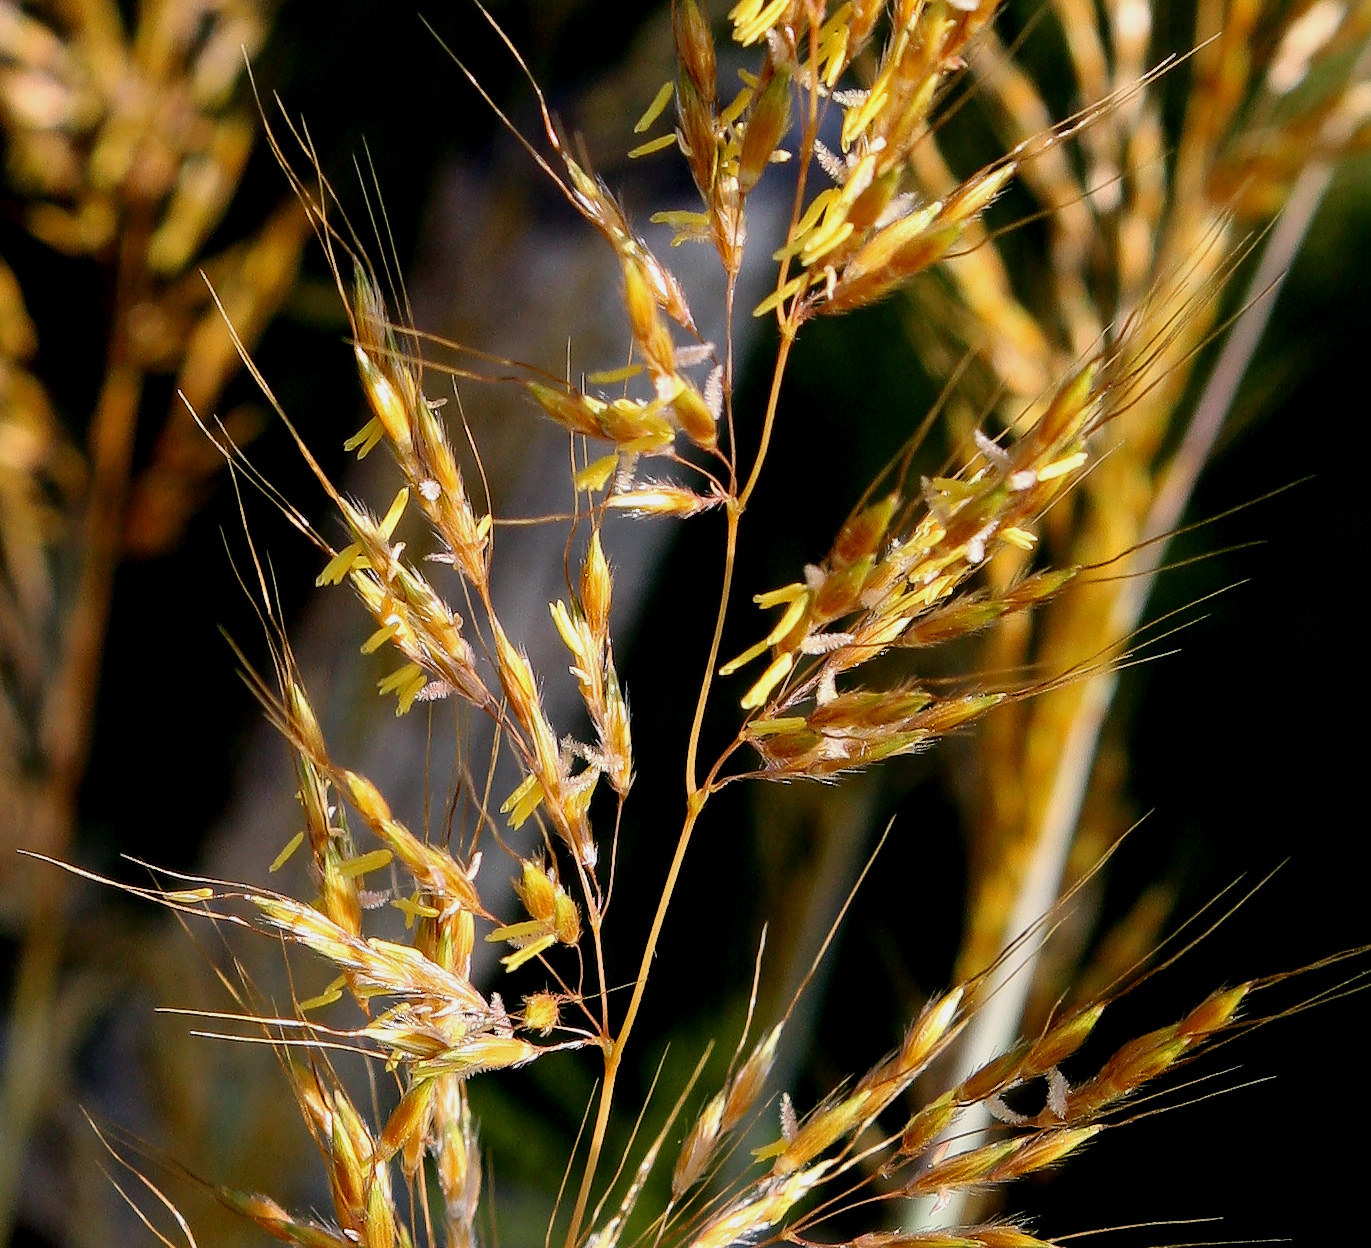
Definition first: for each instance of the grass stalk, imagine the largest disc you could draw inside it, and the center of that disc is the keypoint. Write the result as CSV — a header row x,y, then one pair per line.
x,y
997,1026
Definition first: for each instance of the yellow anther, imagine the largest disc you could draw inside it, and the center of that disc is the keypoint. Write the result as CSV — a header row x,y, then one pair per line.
x,y
365,439
652,145
523,801
351,868
788,621
412,908
816,208
513,961
655,109
748,32
285,855
1061,467
339,566
771,727
735,109
776,298
856,119
596,474
745,658
1021,538
775,597
823,241
397,509
612,376
330,994
381,636
517,931
405,683
770,678
678,220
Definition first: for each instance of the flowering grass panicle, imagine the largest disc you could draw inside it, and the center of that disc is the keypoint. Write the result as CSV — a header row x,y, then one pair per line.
x,y
1013,552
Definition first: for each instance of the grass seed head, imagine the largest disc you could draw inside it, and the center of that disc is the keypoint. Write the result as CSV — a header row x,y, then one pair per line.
x,y
696,121
379,1225
660,499
929,1031
408,1121
567,920
693,414
596,585
538,891
824,1127
698,1148
746,1086
616,739
860,538
754,1213
898,575
649,332
1063,1039
1007,1237
386,401
968,1169
1043,1150
1214,1013
541,1013
447,937
767,123
927,1125
477,1054
433,867
628,422
997,1074
277,1223
695,47
378,966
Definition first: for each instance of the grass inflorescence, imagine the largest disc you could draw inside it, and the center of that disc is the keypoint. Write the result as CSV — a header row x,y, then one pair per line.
x,y
1025,557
